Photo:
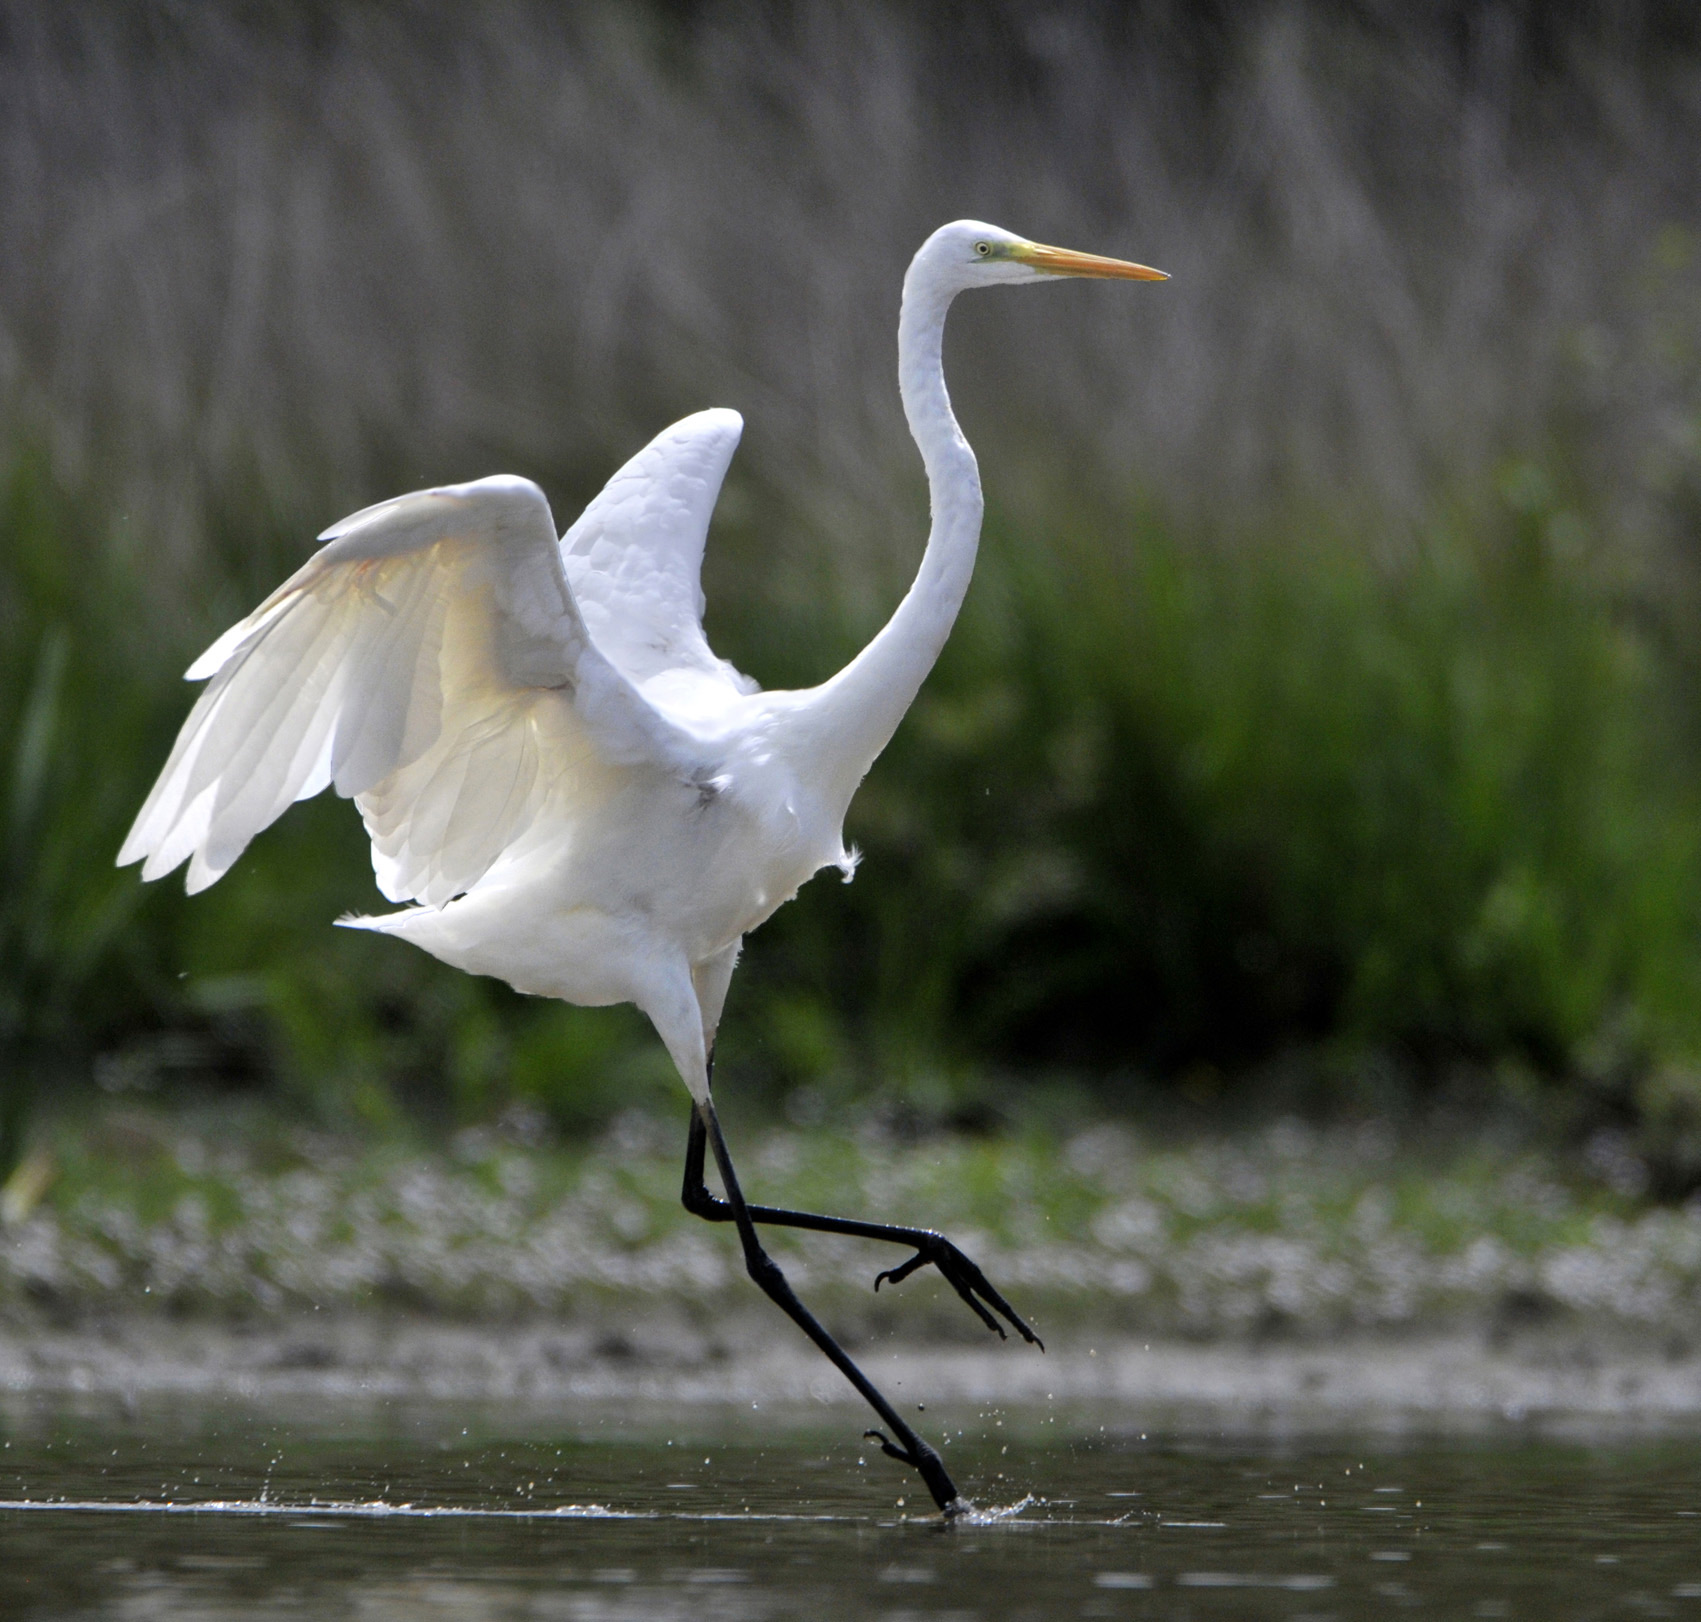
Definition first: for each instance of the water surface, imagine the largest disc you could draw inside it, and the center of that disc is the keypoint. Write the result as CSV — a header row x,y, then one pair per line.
x,y
219,1511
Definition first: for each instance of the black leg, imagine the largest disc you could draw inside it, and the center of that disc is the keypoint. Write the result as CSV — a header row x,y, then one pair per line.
x,y
909,1448
962,1274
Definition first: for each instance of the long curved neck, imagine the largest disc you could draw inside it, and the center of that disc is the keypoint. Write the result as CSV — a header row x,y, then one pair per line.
x,y
854,715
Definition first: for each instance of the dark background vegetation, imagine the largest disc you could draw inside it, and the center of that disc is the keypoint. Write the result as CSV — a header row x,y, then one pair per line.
x,y
1323,721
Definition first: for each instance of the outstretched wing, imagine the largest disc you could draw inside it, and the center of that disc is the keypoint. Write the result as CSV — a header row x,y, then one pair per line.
x,y
635,557
429,660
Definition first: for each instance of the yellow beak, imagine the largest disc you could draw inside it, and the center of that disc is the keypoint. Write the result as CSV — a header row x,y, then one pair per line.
x,y
1066,262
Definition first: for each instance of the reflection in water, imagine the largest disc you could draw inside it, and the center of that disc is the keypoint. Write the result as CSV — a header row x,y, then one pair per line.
x,y
218,1513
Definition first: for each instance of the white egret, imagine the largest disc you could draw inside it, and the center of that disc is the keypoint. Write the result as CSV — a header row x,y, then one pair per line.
x,y
573,792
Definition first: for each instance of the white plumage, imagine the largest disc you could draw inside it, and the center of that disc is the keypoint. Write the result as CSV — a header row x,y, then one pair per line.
x,y
574,792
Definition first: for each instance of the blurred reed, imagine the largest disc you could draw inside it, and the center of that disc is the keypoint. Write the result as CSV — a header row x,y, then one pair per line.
x,y
1328,686
287,257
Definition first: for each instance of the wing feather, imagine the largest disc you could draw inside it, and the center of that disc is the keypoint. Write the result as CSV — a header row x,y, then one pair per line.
x,y
635,557
426,661
379,680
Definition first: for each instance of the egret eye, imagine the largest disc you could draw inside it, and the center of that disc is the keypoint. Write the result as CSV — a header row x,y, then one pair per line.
x,y
983,249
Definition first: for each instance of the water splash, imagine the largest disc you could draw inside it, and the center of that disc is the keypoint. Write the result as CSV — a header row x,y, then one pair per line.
x,y
994,1513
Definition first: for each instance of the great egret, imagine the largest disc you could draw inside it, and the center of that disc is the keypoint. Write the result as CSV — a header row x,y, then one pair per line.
x,y
576,794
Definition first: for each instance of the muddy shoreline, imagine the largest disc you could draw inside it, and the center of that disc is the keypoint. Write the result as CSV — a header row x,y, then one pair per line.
x,y
1442,1380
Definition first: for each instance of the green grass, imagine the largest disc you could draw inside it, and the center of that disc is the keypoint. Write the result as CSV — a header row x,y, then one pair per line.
x,y
1175,809
1178,808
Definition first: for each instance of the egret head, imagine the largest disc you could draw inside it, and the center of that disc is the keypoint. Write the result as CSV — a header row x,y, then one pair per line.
x,y
971,253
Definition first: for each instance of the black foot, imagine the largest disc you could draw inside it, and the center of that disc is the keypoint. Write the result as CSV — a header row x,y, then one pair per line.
x,y
966,1279
930,1467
